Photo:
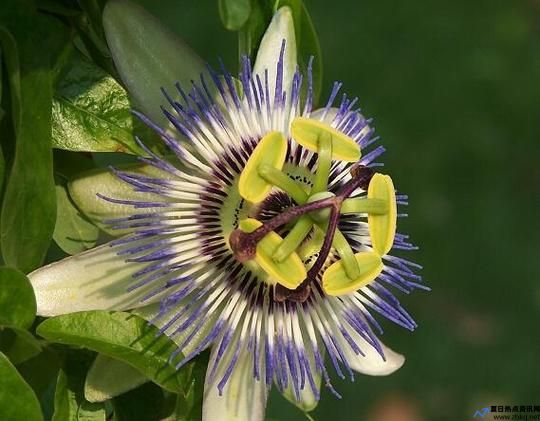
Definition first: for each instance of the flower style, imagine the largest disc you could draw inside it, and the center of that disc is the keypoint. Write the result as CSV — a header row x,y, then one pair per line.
x,y
264,236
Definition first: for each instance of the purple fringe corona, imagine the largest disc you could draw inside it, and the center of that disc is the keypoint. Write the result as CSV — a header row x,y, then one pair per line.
x,y
180,231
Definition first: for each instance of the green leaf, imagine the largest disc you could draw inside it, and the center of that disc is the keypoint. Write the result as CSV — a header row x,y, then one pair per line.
x,y
94,10
308,45
55,7
234,13
91,111
9,102
17,400
148,56
90,30
2,162
29,207
28,213
69,402
19,345
189,402
17,312
10,58
120,335
146,403
307,42
108,378
68,164
250,35
73,232
17,301
41,372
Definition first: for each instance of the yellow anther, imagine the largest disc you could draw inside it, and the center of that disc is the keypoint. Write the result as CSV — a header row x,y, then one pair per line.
x,y
336,282
382,227
290,272
271,150
307,133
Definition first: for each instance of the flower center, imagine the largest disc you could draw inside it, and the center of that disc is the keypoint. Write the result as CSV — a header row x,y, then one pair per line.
x,y
236,209
280,220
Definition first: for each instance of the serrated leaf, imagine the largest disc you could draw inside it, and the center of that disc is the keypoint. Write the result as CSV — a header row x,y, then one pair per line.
x,y
17,301
73,232
120,335
91,111
109,377
17,400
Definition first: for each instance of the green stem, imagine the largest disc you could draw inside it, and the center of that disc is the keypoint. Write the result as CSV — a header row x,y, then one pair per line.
x,y
324,163
347,255
294,238
284,182
364,205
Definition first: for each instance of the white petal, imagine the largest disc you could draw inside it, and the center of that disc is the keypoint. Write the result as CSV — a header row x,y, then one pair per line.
x,y
308,400
372,363
281,28
94,280
108,378
243,397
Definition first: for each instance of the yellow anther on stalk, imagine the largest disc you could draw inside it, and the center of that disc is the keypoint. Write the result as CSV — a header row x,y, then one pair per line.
x,y
271,152
382,227
307,132
336,282
290,272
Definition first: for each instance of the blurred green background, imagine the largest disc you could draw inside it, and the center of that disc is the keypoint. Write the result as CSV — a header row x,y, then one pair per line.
x,y
454,88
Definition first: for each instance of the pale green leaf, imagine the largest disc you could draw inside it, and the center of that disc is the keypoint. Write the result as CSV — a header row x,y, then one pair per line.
x,y
120,335
17,301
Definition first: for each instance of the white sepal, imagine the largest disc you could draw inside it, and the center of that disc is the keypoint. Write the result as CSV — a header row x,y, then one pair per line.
x,y
372,363
108,378
97,279
243,397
